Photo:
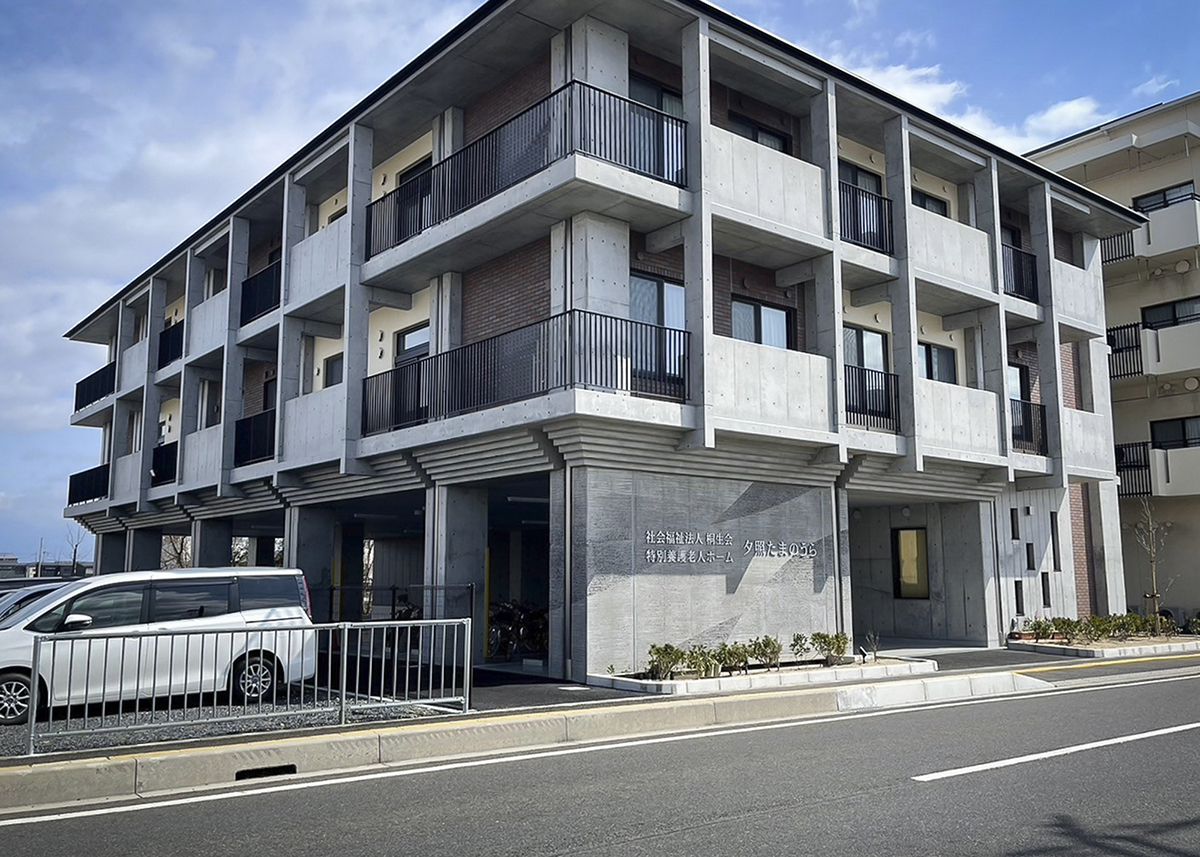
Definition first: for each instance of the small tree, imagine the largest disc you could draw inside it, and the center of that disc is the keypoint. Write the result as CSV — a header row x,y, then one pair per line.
x,y
1151,533
177,552
75,536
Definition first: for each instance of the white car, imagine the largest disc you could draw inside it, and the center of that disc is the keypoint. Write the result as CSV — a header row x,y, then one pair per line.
x,y
150,634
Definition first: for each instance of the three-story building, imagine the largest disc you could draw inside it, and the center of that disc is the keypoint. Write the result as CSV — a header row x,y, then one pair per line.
x,y
646,317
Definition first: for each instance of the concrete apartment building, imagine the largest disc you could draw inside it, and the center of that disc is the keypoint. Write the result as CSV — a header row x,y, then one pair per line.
x,y
639,314
1149,160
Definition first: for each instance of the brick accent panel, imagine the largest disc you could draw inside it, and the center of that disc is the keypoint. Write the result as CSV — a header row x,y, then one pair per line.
x,y
1025,354
1081,541
668,264
495,107
255,375
506,293
1018,220
663,72
1070,375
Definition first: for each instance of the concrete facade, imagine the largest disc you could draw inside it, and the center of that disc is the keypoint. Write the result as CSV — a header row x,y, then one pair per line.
x,y
514,350
1147,160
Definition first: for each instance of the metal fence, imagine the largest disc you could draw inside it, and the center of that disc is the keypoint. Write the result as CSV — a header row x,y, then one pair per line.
x,y
1125,357
575,118
1028,426
872,398
1133,466
315,674
261,292
1020,273
866,218
254,438
573,349
1116,248
96,386
396,603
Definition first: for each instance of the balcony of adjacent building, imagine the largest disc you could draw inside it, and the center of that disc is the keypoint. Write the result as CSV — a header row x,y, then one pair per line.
x,y
575,350
1174,226
1168,465
1165,342
581,148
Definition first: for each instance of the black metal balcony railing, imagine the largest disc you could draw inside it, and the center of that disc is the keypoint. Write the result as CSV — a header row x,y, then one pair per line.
x,y
866,218
574,349
1020,273
164,462
1028,427
575,118
88,485
96,386
260,293
170,345
1133,466
1125,355
254,438
1116,247
872,399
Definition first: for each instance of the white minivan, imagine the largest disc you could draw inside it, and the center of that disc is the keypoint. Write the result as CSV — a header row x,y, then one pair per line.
x,y
144,634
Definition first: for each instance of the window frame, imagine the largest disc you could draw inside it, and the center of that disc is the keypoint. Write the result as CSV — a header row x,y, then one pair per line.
x,y
69,606
1184,442
329,362
404,356
757,131
926,350
1176,318
1146,202
758,307
898,571
859,332
857,172
921,199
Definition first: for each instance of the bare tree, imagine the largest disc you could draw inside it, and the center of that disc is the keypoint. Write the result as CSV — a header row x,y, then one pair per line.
x,y
75,537
1151,533
177,552
240,551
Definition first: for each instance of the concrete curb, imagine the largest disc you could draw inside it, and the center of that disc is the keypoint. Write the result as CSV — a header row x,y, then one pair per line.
x,y
1119,652
816,676
140,774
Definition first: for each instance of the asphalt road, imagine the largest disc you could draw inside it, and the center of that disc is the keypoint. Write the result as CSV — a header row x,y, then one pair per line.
x,y
837,786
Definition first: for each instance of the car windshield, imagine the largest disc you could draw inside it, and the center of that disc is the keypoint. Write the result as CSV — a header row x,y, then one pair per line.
x,y
13,601
32,608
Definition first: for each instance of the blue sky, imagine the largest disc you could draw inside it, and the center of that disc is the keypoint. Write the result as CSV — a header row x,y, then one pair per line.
x,y
126,124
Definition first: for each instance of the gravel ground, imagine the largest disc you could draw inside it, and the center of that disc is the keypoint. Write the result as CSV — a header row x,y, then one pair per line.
x,y
88,730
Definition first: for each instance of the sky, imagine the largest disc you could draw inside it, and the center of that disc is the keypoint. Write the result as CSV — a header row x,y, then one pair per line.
x,y
127,124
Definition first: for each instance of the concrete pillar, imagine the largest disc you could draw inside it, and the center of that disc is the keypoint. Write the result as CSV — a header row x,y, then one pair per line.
x,y
447,133
151,395
349,552
110,553
212,543
262,551
589,267
445,313
599,54
698,233
560,520
456,521
902,292
987,219
1106,547
1041,229
308,544
143,550
993,347
235,360
357,308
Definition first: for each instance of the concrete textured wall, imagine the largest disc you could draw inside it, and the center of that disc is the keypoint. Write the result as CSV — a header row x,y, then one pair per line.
x,y
761,384
957,418
637,596
960,561
1033,528
944,246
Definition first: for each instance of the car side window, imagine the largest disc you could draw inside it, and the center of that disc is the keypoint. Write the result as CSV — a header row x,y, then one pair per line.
x,y
112,607
48,623
190,600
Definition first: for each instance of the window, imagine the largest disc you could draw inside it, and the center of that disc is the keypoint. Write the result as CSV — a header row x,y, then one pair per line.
x,y
190,600
657,354
1171,314
1011,235
655,151
865,348
1163,198
1030,557
414,187
135,431
753,131
214,282
1014,524
930,203
1175,434
341,212
938,363
753,322
1018,382
412,344
331,374
111,607
910,563
1019,594
270,388
1046,589
1054,549
262,593
209,403
852,174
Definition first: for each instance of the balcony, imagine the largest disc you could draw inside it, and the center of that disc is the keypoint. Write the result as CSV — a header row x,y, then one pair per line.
x,y
946,248
260,293
577,118
872,399
164,463
957,422
1175,469
1028,427
254,438
319,264
93,388
1116,248
574,349
1125,354
88,486
1079,295
866,218
1171,349
201,464
1133,466
1020,273
758,386
170,345
1173,226
208,325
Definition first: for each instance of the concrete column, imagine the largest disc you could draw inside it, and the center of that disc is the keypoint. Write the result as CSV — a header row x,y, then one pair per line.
x,y
993,347
987,219
456,519
295,229
698,233
349,551
598,265
445,313
235,359
560,519
212,543
902,292
189,382
357,309
1106,547
263,550
151,395
290,377
447,133
599,54
143,550
1041,228
308,544
110,553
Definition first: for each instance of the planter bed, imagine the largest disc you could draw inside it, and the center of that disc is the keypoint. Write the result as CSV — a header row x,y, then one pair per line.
x,y
1110,648
789,676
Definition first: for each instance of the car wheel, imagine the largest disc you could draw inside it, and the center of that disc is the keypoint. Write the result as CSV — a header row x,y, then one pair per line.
x,y
15,695
255,679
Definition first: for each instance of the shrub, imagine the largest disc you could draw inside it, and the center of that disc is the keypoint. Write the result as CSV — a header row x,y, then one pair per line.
x,y
1167,627
800,646
1097,628
1071,629
702,660
734,657
832,646
1193,625
664,661
766,650
1042,629
1125,626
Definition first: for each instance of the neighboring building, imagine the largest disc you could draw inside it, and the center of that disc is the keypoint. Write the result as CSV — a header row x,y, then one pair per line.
x,y
1151,160
8,565
639,314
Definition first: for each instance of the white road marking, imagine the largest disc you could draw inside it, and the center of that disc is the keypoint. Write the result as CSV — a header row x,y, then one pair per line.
x,y
545,754
1051,754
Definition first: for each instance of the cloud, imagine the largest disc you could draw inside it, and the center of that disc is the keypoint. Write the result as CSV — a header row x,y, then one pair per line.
x,y
921,85
915,40
1153,86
